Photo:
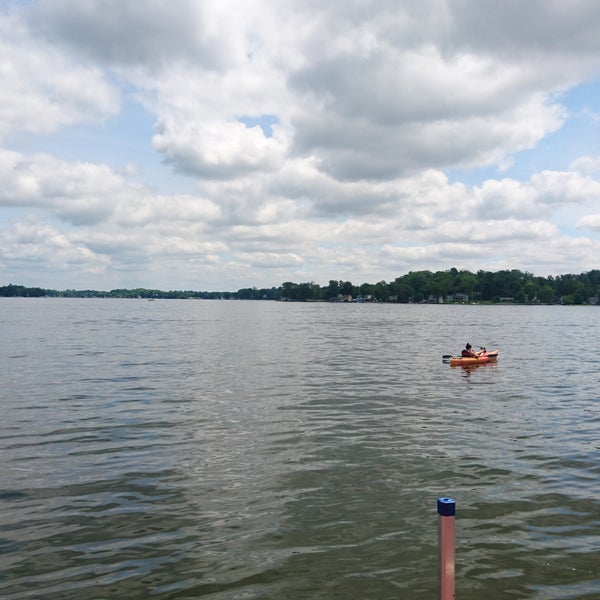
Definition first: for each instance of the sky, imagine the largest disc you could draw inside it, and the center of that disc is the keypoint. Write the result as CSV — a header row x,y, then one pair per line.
x,y
217,145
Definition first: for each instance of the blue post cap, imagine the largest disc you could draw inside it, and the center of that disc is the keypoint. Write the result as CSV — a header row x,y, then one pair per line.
x,y
446,507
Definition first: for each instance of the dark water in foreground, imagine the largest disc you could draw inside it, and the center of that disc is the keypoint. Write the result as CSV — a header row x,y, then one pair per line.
x,y
234,450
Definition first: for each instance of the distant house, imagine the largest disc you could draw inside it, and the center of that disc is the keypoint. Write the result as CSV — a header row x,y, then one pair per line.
x,y
592,300
507,299
458,297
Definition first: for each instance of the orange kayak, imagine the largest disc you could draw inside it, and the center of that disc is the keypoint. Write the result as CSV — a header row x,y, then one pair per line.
x,y
485,357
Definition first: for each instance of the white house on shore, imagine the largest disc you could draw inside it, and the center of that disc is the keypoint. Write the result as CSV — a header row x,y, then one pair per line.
x,y
458,297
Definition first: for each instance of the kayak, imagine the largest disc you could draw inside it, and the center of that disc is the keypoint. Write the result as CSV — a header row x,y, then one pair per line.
x,y
483,358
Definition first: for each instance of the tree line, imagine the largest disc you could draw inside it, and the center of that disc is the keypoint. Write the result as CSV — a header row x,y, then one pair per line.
x,y
12,290
452,285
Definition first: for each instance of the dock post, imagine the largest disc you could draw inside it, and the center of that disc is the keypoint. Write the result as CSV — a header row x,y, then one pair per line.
x,y
446,510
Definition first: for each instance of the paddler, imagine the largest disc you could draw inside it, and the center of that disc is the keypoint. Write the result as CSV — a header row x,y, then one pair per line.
x,y
468,352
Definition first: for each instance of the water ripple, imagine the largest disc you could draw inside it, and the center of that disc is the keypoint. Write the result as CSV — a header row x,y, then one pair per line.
x,y
262,450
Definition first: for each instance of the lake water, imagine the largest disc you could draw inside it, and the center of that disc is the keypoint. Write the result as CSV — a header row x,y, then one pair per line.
x,y
236,450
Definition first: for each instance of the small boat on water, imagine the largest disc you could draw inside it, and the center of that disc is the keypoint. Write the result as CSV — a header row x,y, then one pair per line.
x,y
484,357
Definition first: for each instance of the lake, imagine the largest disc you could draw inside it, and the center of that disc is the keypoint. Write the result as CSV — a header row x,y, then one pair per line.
x,y
242,450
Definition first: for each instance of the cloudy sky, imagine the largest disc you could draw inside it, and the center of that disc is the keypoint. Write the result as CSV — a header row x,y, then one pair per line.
x,y
214,145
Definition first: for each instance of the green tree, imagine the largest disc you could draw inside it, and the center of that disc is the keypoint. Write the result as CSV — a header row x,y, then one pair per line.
x,y
441,284
420,282
304,292
346,288
466,283
531,291
381,291
289,290
332,290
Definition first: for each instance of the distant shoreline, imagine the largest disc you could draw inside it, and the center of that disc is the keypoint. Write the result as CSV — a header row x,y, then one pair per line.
x,y
416,287
234,299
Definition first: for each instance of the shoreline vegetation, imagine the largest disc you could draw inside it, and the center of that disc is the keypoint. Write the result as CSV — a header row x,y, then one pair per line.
x,y
447,287
441,287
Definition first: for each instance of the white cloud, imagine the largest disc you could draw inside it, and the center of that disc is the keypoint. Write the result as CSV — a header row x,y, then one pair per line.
x,y
269,259
80,193
556,188
43,88
218,150
586,164
35,240
371,110
147,33
591,222
491,232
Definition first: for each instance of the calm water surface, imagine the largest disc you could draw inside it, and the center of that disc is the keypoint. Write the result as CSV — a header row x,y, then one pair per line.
x,y
235,450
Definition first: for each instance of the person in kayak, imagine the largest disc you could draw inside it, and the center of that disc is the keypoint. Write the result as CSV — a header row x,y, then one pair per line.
x,y
469,353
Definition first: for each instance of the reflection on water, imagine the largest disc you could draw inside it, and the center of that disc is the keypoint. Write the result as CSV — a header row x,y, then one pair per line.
x,y
179,449
469,369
